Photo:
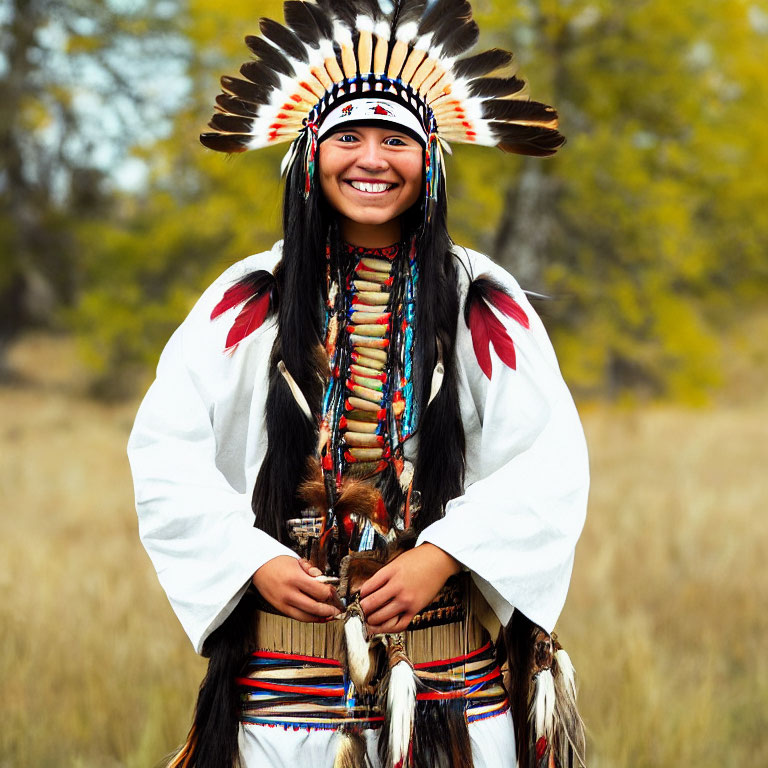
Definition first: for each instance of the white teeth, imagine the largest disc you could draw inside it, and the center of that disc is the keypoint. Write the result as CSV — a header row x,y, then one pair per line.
x,y
366,186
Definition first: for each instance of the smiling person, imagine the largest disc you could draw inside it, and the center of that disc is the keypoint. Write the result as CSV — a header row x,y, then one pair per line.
x,y
359,473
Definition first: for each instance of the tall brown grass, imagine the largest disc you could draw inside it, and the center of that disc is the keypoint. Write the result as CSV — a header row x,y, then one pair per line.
x,y
666,619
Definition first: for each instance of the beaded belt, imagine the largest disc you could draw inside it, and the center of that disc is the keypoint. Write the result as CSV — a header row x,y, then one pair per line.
x,y
294,691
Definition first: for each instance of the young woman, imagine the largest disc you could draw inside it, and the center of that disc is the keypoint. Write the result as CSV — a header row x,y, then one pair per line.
x,y
359,462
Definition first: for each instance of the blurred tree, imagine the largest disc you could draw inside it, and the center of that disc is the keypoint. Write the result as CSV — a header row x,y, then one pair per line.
x,y
199,212
650,226
72,87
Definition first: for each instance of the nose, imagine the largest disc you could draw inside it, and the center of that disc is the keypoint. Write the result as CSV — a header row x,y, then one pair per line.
x,y
371,157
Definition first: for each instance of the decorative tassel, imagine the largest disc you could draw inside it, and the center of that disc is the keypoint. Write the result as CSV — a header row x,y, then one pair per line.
x,y
569,728
541,714
309,160
359,652
401,701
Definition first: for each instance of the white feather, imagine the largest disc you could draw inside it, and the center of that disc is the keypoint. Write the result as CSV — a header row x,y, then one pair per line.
x,y
358,656
424,42
289,157
401,704
406,475
382,30
341,34
406,32
544,704
326,49
364,23
566,672
437,381
298,395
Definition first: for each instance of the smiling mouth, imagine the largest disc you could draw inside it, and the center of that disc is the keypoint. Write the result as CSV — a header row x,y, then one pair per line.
x,y
371,187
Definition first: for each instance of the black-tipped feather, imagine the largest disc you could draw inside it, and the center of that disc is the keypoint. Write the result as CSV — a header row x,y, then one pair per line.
x,y
245,90
407,11
517,110
456,37
225,142
259,73
271,56
457,11
345,10
527,140
235,106
230,123
482,63
322,20
302,21
284,39
369,8
495,87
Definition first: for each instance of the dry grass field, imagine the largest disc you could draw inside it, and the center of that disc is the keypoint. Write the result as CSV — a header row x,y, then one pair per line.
x,y
666,620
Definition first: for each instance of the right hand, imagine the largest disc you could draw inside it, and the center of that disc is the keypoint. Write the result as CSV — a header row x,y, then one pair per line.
x,y
290,586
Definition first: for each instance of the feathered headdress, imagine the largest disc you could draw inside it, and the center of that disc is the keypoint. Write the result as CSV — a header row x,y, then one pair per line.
x,y
408,63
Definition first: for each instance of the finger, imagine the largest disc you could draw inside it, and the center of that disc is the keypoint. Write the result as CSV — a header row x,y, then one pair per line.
x,y
309,618
376,599
385,614
377,581
309,569
389,627
315,589
306,604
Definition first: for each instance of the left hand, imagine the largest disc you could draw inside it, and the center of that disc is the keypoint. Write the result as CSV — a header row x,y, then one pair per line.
x,y
397,592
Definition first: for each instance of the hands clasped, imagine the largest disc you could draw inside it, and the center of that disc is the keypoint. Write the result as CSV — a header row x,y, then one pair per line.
x,y
389,599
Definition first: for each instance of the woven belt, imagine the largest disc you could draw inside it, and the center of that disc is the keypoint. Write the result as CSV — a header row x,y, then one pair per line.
x,y
296,691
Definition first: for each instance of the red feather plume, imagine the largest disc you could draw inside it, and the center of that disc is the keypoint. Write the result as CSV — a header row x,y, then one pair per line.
x,y
486,328
254,292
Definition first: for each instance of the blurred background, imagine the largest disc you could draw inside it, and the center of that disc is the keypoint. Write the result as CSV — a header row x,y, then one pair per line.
x,y
649,230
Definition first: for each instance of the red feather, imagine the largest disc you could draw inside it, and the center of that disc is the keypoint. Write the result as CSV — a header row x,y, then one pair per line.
x,y
487,329
506,304
246,288
233,296
250,318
